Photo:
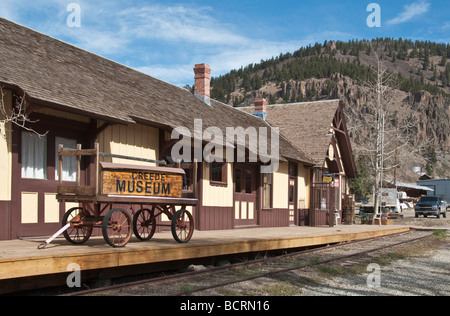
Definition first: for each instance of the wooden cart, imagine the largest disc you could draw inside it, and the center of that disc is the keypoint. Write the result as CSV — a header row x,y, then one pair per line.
x,y
155,190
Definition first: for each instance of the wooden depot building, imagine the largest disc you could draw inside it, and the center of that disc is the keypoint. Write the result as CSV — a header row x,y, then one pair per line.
x,y
72,97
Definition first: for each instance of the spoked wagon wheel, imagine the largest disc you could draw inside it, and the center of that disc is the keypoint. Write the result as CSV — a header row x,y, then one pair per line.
x,y
77,233
182,226
116,228
144,224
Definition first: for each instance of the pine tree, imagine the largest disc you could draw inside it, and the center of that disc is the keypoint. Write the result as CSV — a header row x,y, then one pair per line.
x,y
426,62
444,79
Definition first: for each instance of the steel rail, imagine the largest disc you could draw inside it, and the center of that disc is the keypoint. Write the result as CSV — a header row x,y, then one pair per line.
x,y
271,273
187,275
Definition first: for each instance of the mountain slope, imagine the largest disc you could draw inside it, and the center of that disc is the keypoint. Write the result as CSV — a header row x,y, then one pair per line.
x,y
420,95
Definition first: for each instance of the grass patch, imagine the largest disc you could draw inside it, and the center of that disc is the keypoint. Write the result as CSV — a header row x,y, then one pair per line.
x,y
187,288
390,257
440,234
332,270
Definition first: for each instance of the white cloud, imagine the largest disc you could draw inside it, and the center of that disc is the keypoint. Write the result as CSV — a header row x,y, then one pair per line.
x,y
253,52
177,23
410,12
164,41
176,74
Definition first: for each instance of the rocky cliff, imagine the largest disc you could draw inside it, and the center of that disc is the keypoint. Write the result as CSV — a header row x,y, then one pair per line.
x,y
418,99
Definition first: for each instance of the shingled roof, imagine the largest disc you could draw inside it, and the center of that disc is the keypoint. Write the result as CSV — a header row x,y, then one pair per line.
x,y
55,74
307,125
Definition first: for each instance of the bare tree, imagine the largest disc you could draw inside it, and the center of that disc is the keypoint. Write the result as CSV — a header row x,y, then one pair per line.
x,y
387,137
16,115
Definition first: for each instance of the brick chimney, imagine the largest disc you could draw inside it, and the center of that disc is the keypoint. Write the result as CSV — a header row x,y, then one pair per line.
x,y
261,108
203,82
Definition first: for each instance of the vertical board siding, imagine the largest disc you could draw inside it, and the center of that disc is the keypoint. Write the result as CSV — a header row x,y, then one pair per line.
x,y
5,229
132,140
217,196
5,153
215,218
303,217
274,218
303,187
281,187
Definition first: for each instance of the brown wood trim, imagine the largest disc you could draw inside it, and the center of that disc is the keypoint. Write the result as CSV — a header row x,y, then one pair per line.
x,y
224,182
218,184
262,194
5,222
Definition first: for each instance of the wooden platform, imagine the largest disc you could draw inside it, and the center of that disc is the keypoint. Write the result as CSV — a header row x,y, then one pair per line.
x,y
21,258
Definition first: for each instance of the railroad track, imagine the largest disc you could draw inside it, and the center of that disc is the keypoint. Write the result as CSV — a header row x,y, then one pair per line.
x,y
194,283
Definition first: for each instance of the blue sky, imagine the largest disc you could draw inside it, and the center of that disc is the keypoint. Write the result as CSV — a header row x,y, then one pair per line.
x,y
166,39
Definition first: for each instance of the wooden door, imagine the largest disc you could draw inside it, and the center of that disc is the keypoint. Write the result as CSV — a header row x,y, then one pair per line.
x,y
37,212
293,193
245,210
322,207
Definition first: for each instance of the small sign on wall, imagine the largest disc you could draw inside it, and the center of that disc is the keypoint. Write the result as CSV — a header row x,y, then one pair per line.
x,y
327,177
337,183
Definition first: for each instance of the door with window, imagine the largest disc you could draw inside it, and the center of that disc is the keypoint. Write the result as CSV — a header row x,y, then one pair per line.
x,y
322,199
36,179
293,192
245,208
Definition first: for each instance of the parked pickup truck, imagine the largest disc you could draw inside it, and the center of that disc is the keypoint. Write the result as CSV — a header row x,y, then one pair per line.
x,y
431,205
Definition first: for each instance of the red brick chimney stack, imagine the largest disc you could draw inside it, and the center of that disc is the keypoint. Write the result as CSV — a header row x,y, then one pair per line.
x,y
203,82
261,108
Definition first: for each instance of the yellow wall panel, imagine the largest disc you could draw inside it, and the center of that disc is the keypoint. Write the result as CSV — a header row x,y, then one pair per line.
x,y
70,205
220,196
51,208
134,140
303,187
281,187
30,207
5,153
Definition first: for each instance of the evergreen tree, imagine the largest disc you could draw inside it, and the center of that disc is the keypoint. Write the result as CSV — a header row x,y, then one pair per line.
x,y
444,79
321,62
426,62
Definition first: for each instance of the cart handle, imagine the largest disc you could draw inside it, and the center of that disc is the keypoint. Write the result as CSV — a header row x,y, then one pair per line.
x,y
48,241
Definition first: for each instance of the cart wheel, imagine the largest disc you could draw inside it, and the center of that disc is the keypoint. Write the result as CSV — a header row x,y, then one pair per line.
x,y
77,235
116,228
182,226
144,224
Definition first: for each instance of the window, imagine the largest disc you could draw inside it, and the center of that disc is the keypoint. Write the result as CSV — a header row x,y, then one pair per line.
x,y
238,180
218,173
291,193
293,170
248,182
34,156
188,179
317,176
192,176
69,163
267,194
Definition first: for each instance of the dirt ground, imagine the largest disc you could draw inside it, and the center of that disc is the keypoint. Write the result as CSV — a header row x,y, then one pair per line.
x,y
410,220
420,269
